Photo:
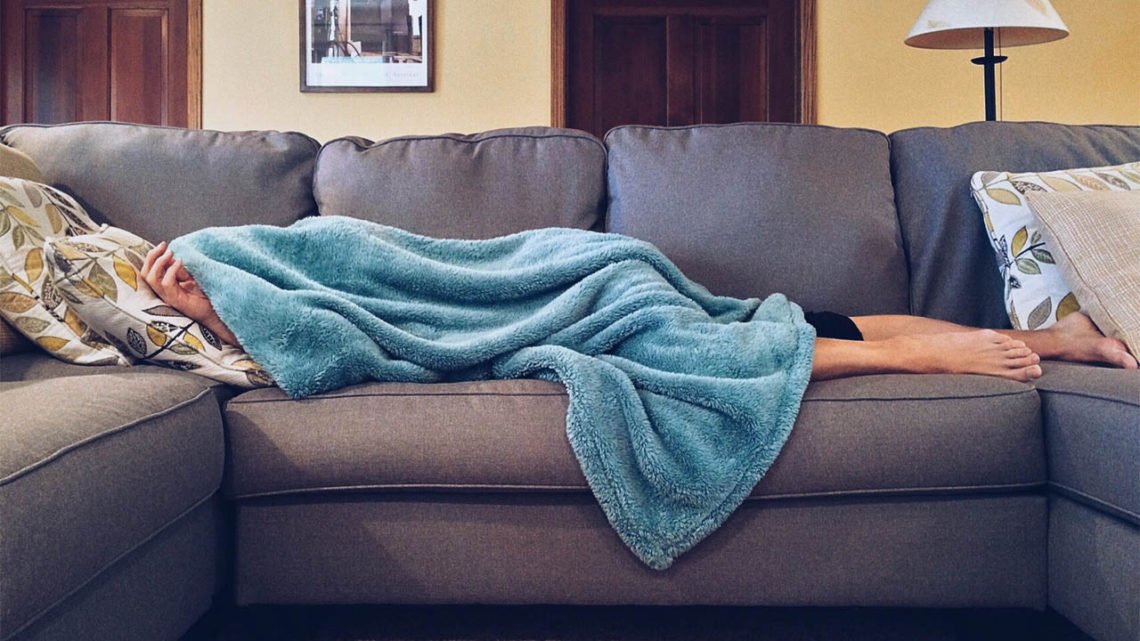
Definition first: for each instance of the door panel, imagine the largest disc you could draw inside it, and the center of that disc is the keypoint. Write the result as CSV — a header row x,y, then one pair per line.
x,y
732,81
140,60
52,70
69,60
679,62
629,71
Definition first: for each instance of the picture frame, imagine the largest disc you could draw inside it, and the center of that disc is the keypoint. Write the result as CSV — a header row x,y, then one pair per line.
x,y
367,45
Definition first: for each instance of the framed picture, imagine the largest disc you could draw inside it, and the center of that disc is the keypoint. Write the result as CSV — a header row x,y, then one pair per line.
x,y
366,45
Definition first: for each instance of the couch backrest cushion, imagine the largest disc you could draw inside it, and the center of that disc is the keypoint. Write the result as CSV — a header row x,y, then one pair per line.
x,y
467,186
161,182
954,274
751,209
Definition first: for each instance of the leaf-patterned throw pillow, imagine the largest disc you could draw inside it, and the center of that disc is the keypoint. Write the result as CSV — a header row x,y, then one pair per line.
x,y
30,214
1036,295
98,274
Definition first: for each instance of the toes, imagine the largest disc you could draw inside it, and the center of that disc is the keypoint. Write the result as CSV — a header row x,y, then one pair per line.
x,y
1123,359
1026,374
1018,352
1114,352
1023,362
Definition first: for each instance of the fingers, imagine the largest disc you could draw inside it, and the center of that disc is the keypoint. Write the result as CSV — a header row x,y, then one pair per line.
x,y
157,276
153,254
157,270
170,276
182,274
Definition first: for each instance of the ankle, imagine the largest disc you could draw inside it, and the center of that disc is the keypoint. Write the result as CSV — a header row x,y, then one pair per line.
x,y
1048,343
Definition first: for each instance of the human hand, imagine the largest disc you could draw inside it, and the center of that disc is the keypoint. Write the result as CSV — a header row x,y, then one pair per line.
x,y
174,285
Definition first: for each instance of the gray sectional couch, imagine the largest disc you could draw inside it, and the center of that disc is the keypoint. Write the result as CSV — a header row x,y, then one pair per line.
x,y
131,498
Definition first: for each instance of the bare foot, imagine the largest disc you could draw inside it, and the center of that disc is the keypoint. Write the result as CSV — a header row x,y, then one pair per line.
x,y
1077,339
978,352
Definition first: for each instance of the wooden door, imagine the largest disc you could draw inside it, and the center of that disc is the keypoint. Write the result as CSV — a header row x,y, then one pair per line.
x,y
678,62
128,60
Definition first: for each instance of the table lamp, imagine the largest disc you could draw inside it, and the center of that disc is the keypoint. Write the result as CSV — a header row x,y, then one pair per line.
x,y
971,24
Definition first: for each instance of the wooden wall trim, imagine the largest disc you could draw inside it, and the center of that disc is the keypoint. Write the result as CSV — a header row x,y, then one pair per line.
x,y
807,62
558,63
194,64
807,79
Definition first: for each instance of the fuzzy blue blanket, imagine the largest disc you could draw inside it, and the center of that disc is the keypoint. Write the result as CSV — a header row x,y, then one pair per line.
x,y
679,400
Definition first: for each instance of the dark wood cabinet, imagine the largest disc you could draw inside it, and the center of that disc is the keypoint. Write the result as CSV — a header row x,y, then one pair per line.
x,y
678,62
128,60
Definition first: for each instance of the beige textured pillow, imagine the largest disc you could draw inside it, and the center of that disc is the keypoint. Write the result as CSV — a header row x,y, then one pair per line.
x,y
15,164
1095,238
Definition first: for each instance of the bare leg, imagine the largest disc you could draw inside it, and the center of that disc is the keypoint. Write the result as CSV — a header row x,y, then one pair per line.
x,y
971,352
1074,338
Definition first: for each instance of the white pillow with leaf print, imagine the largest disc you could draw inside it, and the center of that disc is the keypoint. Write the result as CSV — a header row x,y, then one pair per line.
x,y
1036,295
30,214
98,274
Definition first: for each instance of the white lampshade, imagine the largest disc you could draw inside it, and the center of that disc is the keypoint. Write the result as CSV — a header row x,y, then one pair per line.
x,y
960,24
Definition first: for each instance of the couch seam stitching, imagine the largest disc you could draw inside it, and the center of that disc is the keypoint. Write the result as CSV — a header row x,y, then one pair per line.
x,y
258,401
59,453
103,569
579,489
1047,391
240,401
960,397
1089,500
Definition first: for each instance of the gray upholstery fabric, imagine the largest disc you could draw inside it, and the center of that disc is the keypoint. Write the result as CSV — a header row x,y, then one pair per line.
x,y
866,435
884,434
953,271
1092,429
153,594
476,186
161,182
39,365
548,548
752,209
92,466
1094,570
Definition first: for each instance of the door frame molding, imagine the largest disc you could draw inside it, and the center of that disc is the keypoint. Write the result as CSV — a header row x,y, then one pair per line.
x,y
805,76
194,64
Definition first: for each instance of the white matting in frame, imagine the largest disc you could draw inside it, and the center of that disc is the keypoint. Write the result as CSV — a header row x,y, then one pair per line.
x,y
366,45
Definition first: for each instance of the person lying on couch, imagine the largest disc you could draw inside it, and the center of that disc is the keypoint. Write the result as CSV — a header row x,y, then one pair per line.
x,y
844,346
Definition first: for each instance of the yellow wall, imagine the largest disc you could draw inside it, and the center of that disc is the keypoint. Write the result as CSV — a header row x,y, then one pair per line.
x,y
492,69
869,78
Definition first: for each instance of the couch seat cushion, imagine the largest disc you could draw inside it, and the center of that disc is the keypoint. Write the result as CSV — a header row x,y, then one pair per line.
x,y
92,467
870,435
1092,429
